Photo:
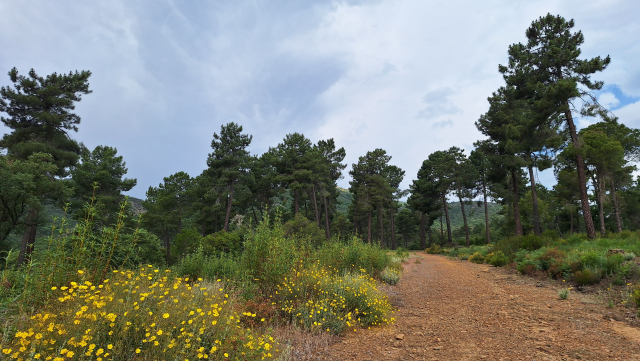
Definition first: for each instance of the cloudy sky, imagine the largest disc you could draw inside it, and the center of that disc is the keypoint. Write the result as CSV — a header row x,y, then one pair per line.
x,y
408,76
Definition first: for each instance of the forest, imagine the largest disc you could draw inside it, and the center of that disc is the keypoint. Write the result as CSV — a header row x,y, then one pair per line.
x,y
249,219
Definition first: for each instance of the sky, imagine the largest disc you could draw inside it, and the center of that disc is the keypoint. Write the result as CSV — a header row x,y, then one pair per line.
x,y
408,76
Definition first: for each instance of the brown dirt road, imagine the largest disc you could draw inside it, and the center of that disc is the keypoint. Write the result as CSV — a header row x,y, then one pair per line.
x,y
457,310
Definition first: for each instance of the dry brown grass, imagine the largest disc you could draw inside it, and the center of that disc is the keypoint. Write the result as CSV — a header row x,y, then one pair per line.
x,y
300,345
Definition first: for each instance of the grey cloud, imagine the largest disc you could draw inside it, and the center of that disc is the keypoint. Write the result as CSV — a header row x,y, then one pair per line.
x,y
442,124
438,103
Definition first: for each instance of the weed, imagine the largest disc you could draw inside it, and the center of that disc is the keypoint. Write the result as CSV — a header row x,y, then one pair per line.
x,y
563,293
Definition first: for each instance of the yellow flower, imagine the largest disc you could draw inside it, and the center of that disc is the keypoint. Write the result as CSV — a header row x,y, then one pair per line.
x,y
166,315
80,271
137,350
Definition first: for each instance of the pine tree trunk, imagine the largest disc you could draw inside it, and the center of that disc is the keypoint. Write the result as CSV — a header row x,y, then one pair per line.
x,y
582,179
429,230
422,231
381,229
516,204
578,220
603,231
616,207
228,215
326,218
441,230
167,246
446,214
486,210
534,199
315,207
393,229
369,227
571,222
29,237
255,216
464,220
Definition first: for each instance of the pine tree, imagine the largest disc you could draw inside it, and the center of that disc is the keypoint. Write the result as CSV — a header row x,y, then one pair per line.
x,y
105,170
547,70
40,116
229,162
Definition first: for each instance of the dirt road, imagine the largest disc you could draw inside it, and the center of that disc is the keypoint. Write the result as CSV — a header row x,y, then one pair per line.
x,y
457,310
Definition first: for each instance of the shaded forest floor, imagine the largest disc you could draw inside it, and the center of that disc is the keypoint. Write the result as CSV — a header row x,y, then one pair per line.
x,y
456,310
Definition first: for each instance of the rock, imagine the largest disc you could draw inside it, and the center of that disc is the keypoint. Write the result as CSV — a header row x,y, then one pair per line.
x,y
437,348
400,336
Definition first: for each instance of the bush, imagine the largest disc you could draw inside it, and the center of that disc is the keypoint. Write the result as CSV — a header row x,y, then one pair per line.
x,y
142,315
587,277
221,242
564,293
197,264
185,242
354,255
477,258
463,256
434,249
335,302
390,276
509,245
531,242
497,259
268,255
302,229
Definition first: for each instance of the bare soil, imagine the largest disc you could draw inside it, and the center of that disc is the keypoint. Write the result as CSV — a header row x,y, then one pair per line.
x,y
456,310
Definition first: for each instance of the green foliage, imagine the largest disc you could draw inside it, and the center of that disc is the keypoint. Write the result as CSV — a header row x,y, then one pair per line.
x,y
186,242
564,293
434,249
497,259
22,186
40,116
269,255
100,175
354,256
83,248
390,275
587,276
301,229
221,242
210,267
531,242
477,257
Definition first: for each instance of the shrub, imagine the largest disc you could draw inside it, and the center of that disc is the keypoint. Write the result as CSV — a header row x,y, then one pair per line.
x,y
198,264
142,315
302,229
531,242
463,256
434,249
221,242
587,277
477,258
390,276
509,245
497,259
564,293
354,255
629,256
185,242
317,299
268,255
527,266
